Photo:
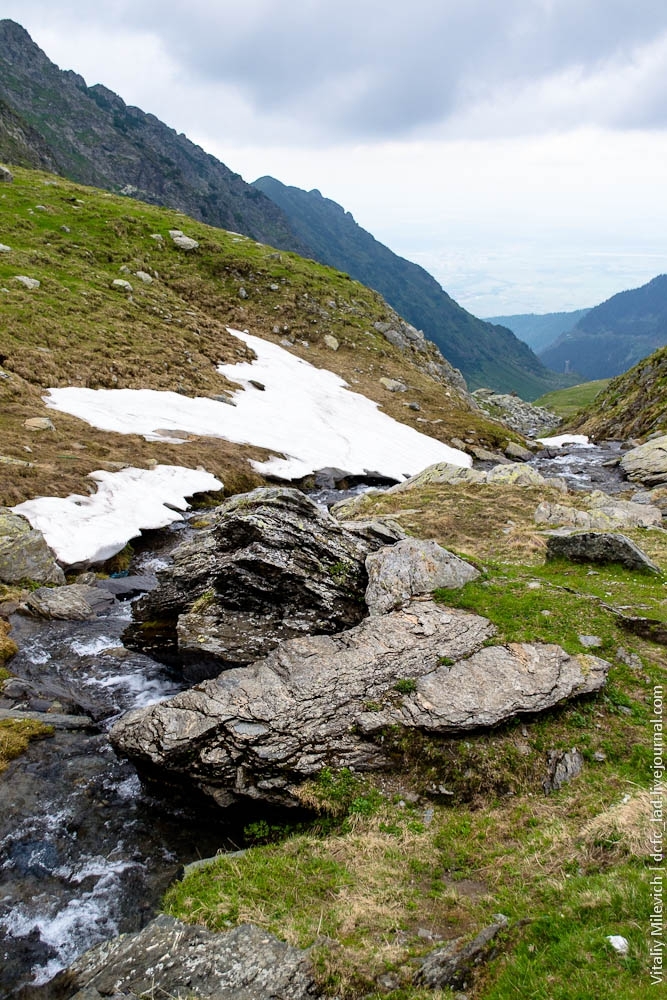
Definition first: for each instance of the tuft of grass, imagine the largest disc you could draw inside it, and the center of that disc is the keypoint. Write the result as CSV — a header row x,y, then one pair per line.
x,y
16,734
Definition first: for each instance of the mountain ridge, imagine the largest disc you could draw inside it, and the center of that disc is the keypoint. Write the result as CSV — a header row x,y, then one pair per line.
x,y
488,356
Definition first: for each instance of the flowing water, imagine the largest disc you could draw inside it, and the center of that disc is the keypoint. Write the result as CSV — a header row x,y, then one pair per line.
x,y
85,850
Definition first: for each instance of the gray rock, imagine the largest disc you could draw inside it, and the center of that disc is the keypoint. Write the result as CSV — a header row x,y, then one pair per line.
x,y
647,463
122,285
24,554
75,602
331,342
182,241
271,566
604,514
55,719
172,959
144,276
27,282
260,730
393,385
515,474
599,547
38,424
440,472
562,767
6,176
517,452
453,965
4,248
126,586
484,455
411,567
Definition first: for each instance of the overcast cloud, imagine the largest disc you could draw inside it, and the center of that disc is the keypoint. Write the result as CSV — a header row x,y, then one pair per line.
x,y
366,98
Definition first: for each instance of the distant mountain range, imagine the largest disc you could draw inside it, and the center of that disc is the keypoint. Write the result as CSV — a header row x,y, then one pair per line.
x,y
50,119
539,331
487,355
615,335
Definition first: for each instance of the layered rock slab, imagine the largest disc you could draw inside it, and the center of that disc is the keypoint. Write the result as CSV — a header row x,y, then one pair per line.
x,y
271,566
171,959
24,554
259,731
647,463
411,567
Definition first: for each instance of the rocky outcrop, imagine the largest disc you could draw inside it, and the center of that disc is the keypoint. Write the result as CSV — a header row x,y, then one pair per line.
x,y
516,413
599,547
453,965
259,731
604,514
24,554
271,566
171,959
411,567
647,463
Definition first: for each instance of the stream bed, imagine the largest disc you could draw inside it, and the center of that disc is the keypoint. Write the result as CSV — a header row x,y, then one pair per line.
x,y
86,851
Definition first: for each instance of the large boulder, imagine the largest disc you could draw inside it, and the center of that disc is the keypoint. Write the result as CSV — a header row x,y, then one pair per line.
x,y
171,959
411,567
24,554
647,463
599,547
259,731
604,514
271,566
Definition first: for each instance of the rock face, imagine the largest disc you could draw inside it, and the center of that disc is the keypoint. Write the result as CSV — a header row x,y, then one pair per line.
x,y
261,730
172,959
410,567
599,547
647,463
272,565
24,555
605,514
453,965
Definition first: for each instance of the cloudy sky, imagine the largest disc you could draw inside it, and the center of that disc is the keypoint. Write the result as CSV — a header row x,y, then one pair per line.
x,y
515,149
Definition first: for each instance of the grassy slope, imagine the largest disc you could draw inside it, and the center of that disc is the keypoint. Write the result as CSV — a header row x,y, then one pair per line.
x,y
567,402
397,876
77,330
632,405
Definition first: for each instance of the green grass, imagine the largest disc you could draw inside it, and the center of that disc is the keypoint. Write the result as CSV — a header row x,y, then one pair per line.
x,y
566,402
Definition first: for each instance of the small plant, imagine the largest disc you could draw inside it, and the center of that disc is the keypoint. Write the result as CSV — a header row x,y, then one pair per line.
x,y
406,685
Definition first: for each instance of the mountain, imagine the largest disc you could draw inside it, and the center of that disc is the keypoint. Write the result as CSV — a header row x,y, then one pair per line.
x,y
50,119
489,356
539,330
615,335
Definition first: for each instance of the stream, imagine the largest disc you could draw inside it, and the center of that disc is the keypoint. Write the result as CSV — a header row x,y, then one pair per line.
x,y
86,851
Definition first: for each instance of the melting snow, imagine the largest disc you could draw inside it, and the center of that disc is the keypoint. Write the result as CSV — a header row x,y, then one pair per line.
x,y
306,413
83,529
560,440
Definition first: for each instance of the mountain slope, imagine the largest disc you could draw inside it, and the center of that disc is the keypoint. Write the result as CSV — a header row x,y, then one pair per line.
x,y
50,119
633,404
615,335
487,355
539,331
168,331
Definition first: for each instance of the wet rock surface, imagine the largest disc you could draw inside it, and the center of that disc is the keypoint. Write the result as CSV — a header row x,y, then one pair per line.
x,y
75,602
271,566
170,958
258,731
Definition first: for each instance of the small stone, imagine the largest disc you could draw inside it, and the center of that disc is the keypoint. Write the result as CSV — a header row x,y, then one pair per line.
x,y
65,229
38,424
182,241
144,276
562,767
242,293
533,585
274,287
393,385
157,237
257,385
414,406
331,342
6,176
121,285
590,641
5,249
629,659
28,282
618,943
599,757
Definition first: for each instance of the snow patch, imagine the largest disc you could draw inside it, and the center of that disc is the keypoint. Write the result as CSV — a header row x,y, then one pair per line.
x,y
560,440
305,413
91,529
